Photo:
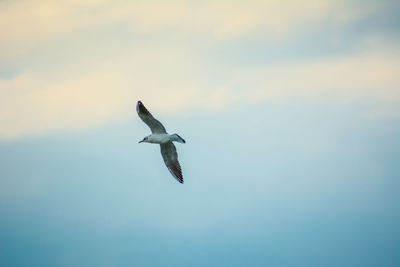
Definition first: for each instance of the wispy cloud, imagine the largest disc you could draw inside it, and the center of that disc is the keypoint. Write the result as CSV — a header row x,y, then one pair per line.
x,y
76,65
38,20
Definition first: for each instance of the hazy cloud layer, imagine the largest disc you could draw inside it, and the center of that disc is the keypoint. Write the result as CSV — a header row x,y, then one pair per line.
x,y
69,65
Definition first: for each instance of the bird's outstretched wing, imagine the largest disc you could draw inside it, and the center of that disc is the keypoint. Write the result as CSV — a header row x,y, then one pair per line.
x,y
144,114
168,152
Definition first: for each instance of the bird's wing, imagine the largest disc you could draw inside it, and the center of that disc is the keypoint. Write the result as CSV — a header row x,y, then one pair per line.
x,y
144,114
168,152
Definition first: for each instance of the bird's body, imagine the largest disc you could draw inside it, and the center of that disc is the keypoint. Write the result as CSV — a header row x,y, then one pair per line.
x,y
160,136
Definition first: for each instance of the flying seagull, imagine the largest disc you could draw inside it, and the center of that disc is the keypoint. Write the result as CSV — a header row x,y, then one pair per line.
x,y
160,136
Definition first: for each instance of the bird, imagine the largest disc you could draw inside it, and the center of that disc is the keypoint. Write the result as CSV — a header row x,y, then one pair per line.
x,y
160,136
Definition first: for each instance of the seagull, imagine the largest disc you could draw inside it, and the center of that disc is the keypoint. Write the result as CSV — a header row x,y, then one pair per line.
x,y
160,136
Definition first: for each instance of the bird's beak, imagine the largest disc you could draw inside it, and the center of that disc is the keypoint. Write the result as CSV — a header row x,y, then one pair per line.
x,y
141,141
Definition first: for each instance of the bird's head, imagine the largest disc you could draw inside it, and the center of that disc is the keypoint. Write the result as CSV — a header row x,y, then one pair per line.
x,y
146,139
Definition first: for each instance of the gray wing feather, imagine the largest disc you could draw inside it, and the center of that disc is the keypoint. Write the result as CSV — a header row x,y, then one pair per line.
x,y
168,152
146,117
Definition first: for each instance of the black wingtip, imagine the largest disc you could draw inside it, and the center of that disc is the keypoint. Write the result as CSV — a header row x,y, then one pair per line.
x,y
179,177
141,108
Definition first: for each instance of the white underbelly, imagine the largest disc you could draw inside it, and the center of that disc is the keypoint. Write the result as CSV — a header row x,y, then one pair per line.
x,y
159,138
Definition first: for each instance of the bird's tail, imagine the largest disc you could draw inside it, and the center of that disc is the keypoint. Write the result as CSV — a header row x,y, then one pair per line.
x,y
177,138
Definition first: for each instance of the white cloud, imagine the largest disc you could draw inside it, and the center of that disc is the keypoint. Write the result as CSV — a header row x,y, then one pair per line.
x,y
27,23
84,77
90,93
40,102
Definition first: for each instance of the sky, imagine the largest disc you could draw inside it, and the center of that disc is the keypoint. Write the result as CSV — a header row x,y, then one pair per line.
x,y
290,111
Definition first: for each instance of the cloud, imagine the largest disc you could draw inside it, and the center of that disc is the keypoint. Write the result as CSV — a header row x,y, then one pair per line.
x,y
40,102
77,65
39,21
88,94
33,105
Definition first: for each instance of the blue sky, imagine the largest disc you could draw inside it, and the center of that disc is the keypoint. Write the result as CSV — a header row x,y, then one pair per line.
x,y
290,111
